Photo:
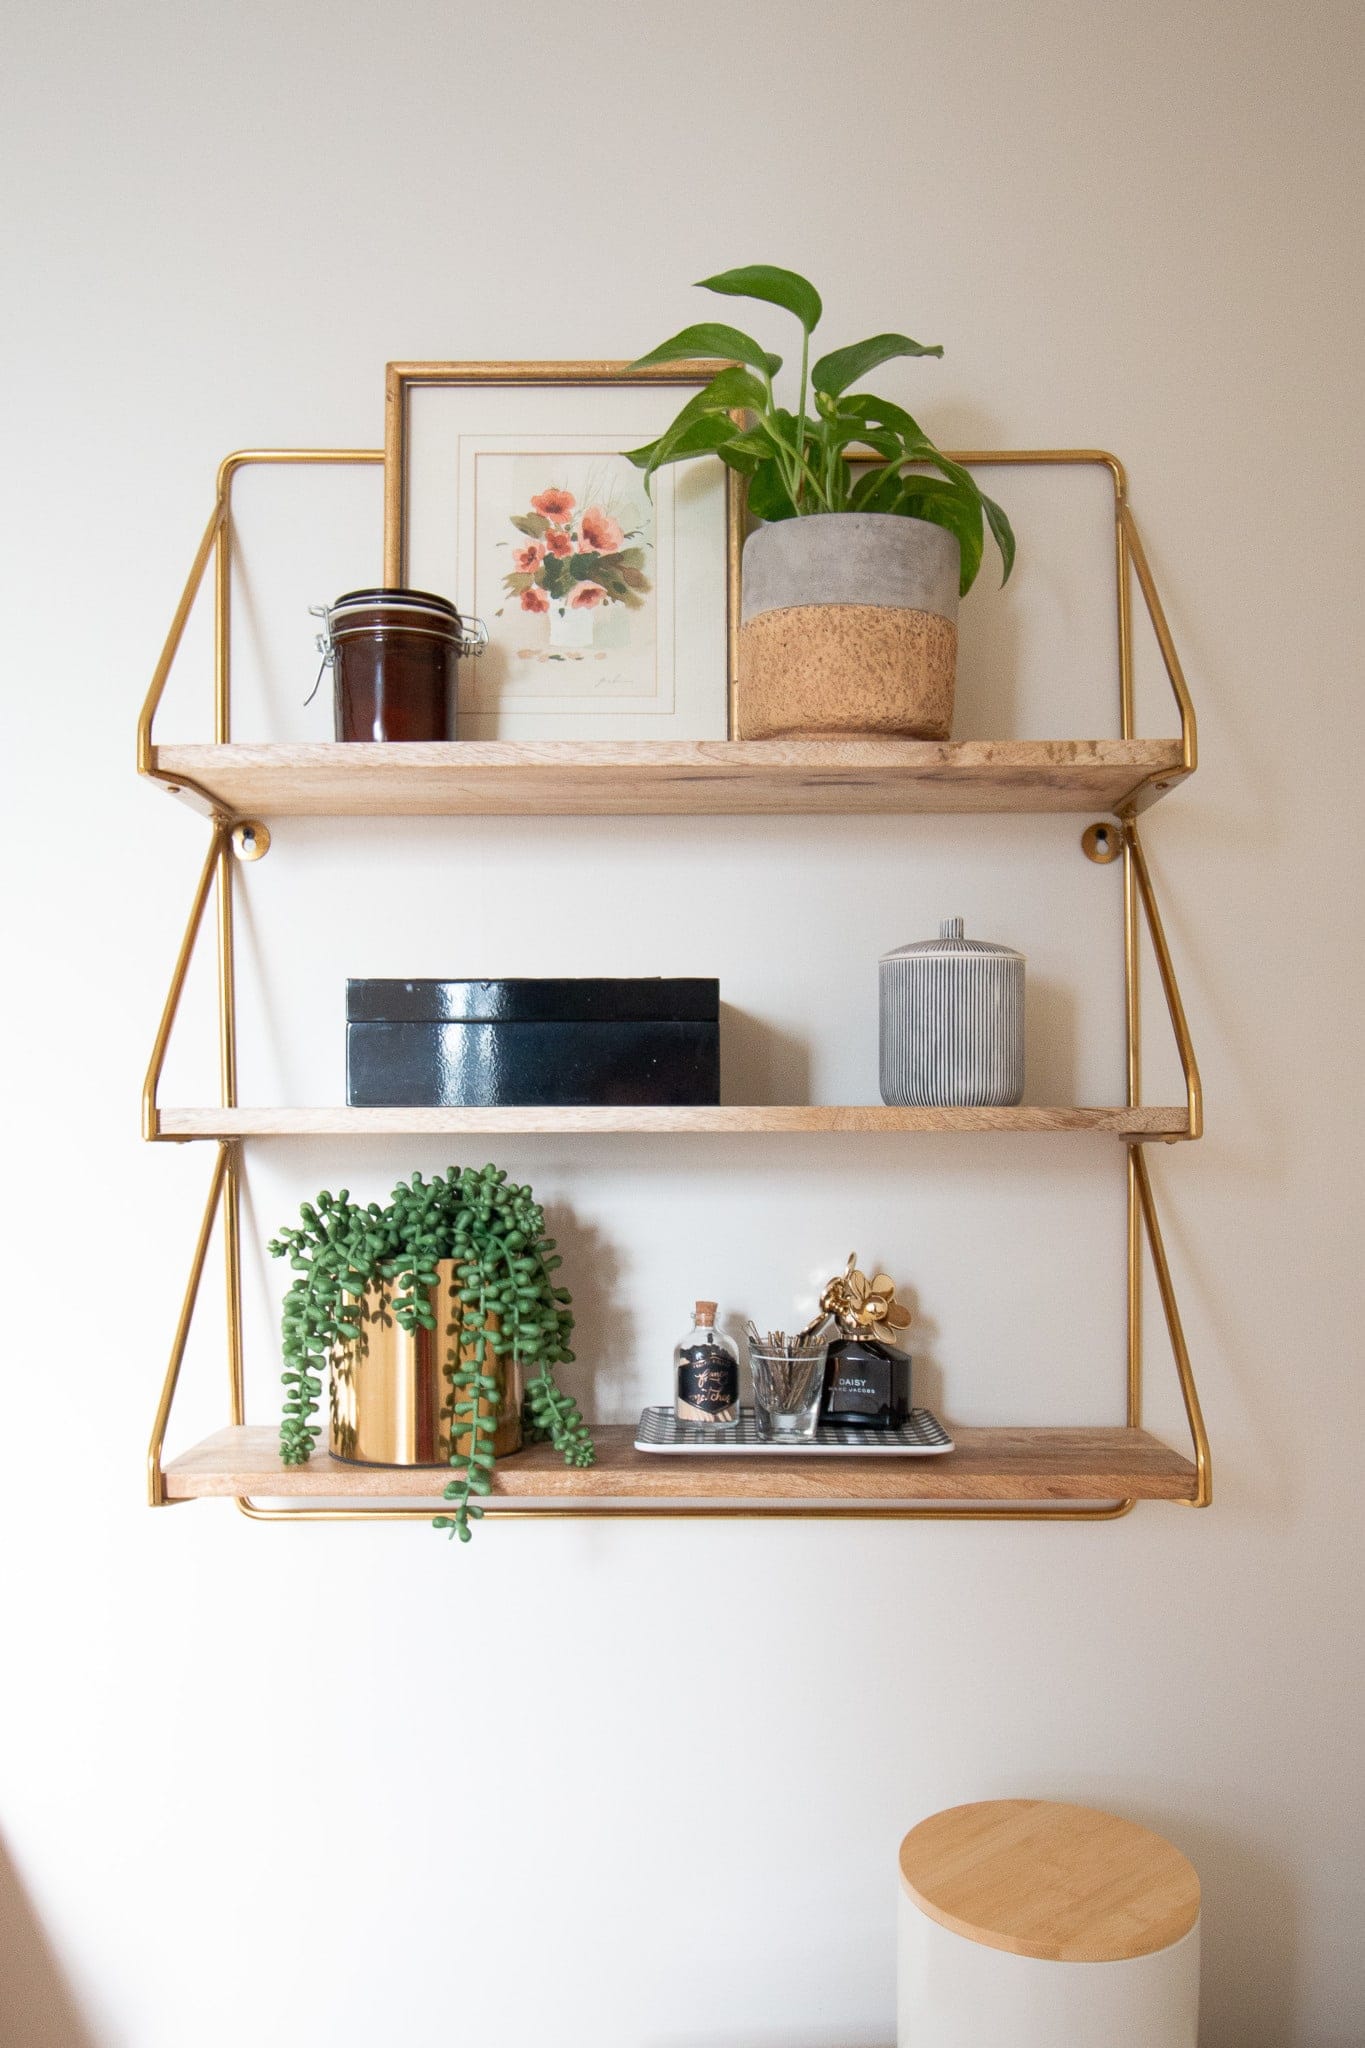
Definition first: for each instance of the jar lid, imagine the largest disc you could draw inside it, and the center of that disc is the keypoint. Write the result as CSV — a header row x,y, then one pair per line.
x,y
951,940
410,600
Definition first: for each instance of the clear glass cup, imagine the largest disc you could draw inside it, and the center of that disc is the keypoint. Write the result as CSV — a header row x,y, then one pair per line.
x,y
786,1395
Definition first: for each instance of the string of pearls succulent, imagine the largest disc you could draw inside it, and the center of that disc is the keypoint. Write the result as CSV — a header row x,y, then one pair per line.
x,y
494,1231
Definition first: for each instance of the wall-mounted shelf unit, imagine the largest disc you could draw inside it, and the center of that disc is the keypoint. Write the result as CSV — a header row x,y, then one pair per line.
x,y
1000,1473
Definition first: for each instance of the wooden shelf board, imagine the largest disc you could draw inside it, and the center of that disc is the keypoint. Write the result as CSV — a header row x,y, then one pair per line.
x,y
849,1117
1055,1465
566,778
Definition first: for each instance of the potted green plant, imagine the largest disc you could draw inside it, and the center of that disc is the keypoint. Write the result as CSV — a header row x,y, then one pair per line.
x,y
851,581
442,1301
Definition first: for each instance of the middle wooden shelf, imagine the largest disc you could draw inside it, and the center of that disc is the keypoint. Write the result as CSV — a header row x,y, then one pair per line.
x,y
716,1120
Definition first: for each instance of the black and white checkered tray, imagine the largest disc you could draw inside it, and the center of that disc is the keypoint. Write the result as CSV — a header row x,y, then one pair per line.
x,y
923,1436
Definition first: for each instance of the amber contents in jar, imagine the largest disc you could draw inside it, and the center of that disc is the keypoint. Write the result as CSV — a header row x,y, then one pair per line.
x,y
394,655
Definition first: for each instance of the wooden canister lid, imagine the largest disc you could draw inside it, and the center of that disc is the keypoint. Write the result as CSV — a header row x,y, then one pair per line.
x,y
1064,1883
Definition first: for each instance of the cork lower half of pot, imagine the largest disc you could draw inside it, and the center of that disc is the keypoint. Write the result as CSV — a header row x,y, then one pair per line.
x,y
811,671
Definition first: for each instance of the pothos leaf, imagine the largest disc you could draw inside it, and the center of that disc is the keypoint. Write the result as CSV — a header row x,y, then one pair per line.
x,y
769,496
710,339
943,504
844,366
785,288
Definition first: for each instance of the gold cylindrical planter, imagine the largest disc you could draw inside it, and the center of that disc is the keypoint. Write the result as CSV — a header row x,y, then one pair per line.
x,y
389,1395
849,628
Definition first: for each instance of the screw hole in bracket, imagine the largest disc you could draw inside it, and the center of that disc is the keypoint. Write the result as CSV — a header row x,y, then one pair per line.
x,y
250,841
1102,842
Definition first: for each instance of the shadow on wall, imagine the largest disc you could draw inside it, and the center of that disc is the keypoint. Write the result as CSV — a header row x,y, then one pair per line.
x,y
760,1063
1248,1935
843,2039
1049,1042
36,2006
604,1336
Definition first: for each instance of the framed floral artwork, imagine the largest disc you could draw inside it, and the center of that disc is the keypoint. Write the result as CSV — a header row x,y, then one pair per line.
x,y
611,611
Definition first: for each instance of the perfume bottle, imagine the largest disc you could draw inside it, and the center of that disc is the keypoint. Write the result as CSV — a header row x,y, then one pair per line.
x,y
867,1385
867,1380
706,1374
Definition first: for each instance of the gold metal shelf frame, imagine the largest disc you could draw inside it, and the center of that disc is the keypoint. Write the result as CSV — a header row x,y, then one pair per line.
x,y
233,838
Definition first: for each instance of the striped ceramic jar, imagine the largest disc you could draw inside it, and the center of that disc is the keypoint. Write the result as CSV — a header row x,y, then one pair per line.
x,y
952,1023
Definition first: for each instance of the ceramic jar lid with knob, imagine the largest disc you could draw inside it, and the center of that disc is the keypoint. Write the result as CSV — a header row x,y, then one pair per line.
x,y
952,1022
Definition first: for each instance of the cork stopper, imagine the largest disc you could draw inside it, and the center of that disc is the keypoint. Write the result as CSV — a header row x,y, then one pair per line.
x,y
704,1312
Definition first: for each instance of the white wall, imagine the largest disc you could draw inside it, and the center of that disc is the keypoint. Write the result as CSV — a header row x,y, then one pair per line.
x,y
641,1787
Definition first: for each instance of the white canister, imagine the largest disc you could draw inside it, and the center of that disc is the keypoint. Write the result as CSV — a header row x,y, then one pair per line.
x,y
952,1023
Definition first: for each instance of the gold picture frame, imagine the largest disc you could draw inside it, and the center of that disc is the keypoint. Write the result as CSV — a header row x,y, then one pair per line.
x,y
403,379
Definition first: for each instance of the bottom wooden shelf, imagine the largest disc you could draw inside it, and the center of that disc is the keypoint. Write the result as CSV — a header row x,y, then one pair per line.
x,y
1049,1465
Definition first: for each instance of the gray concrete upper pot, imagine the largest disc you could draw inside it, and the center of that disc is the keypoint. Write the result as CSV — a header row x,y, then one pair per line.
x,y
848,627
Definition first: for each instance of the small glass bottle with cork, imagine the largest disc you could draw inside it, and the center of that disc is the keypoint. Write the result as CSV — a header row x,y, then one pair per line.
x,y
706,1374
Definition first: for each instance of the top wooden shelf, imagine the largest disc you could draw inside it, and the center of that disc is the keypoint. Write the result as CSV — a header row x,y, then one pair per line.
x,y
571,778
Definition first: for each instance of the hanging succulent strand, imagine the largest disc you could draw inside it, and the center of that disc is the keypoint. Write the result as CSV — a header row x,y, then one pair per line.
x,y
506,1310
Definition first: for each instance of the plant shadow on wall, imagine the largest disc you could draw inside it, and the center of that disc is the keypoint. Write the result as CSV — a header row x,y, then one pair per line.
x,y
990,642
37,2009
604,1326
462,1269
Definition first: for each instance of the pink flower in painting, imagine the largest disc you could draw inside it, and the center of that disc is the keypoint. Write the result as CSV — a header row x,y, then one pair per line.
x,y
554,505
534,599
528,559
586,596
558,543
600,531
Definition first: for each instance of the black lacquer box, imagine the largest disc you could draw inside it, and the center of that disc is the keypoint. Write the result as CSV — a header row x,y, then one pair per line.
x,y
532,1044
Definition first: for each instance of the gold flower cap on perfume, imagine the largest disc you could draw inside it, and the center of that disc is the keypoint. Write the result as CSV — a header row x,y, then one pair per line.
x,y
862,1307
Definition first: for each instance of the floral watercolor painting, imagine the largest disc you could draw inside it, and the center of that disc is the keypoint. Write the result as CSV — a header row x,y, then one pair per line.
x,y
575,559
572,542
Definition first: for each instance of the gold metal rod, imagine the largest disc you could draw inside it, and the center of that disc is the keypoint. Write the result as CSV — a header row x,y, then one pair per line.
x,y
217,844
1124,606
1051,458
1194,1093
395,463
222,622
232,1259
246,458
1189,1392
1189,734
1132,1031
1111,1513
1134,1296
173,639
227,979
1132,965
156,1478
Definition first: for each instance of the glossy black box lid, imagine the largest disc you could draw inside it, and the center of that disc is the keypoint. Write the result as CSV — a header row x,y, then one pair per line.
x,y
692,999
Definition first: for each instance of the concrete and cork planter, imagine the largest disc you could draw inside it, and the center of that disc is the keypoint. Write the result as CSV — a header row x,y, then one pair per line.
x,y
848,627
